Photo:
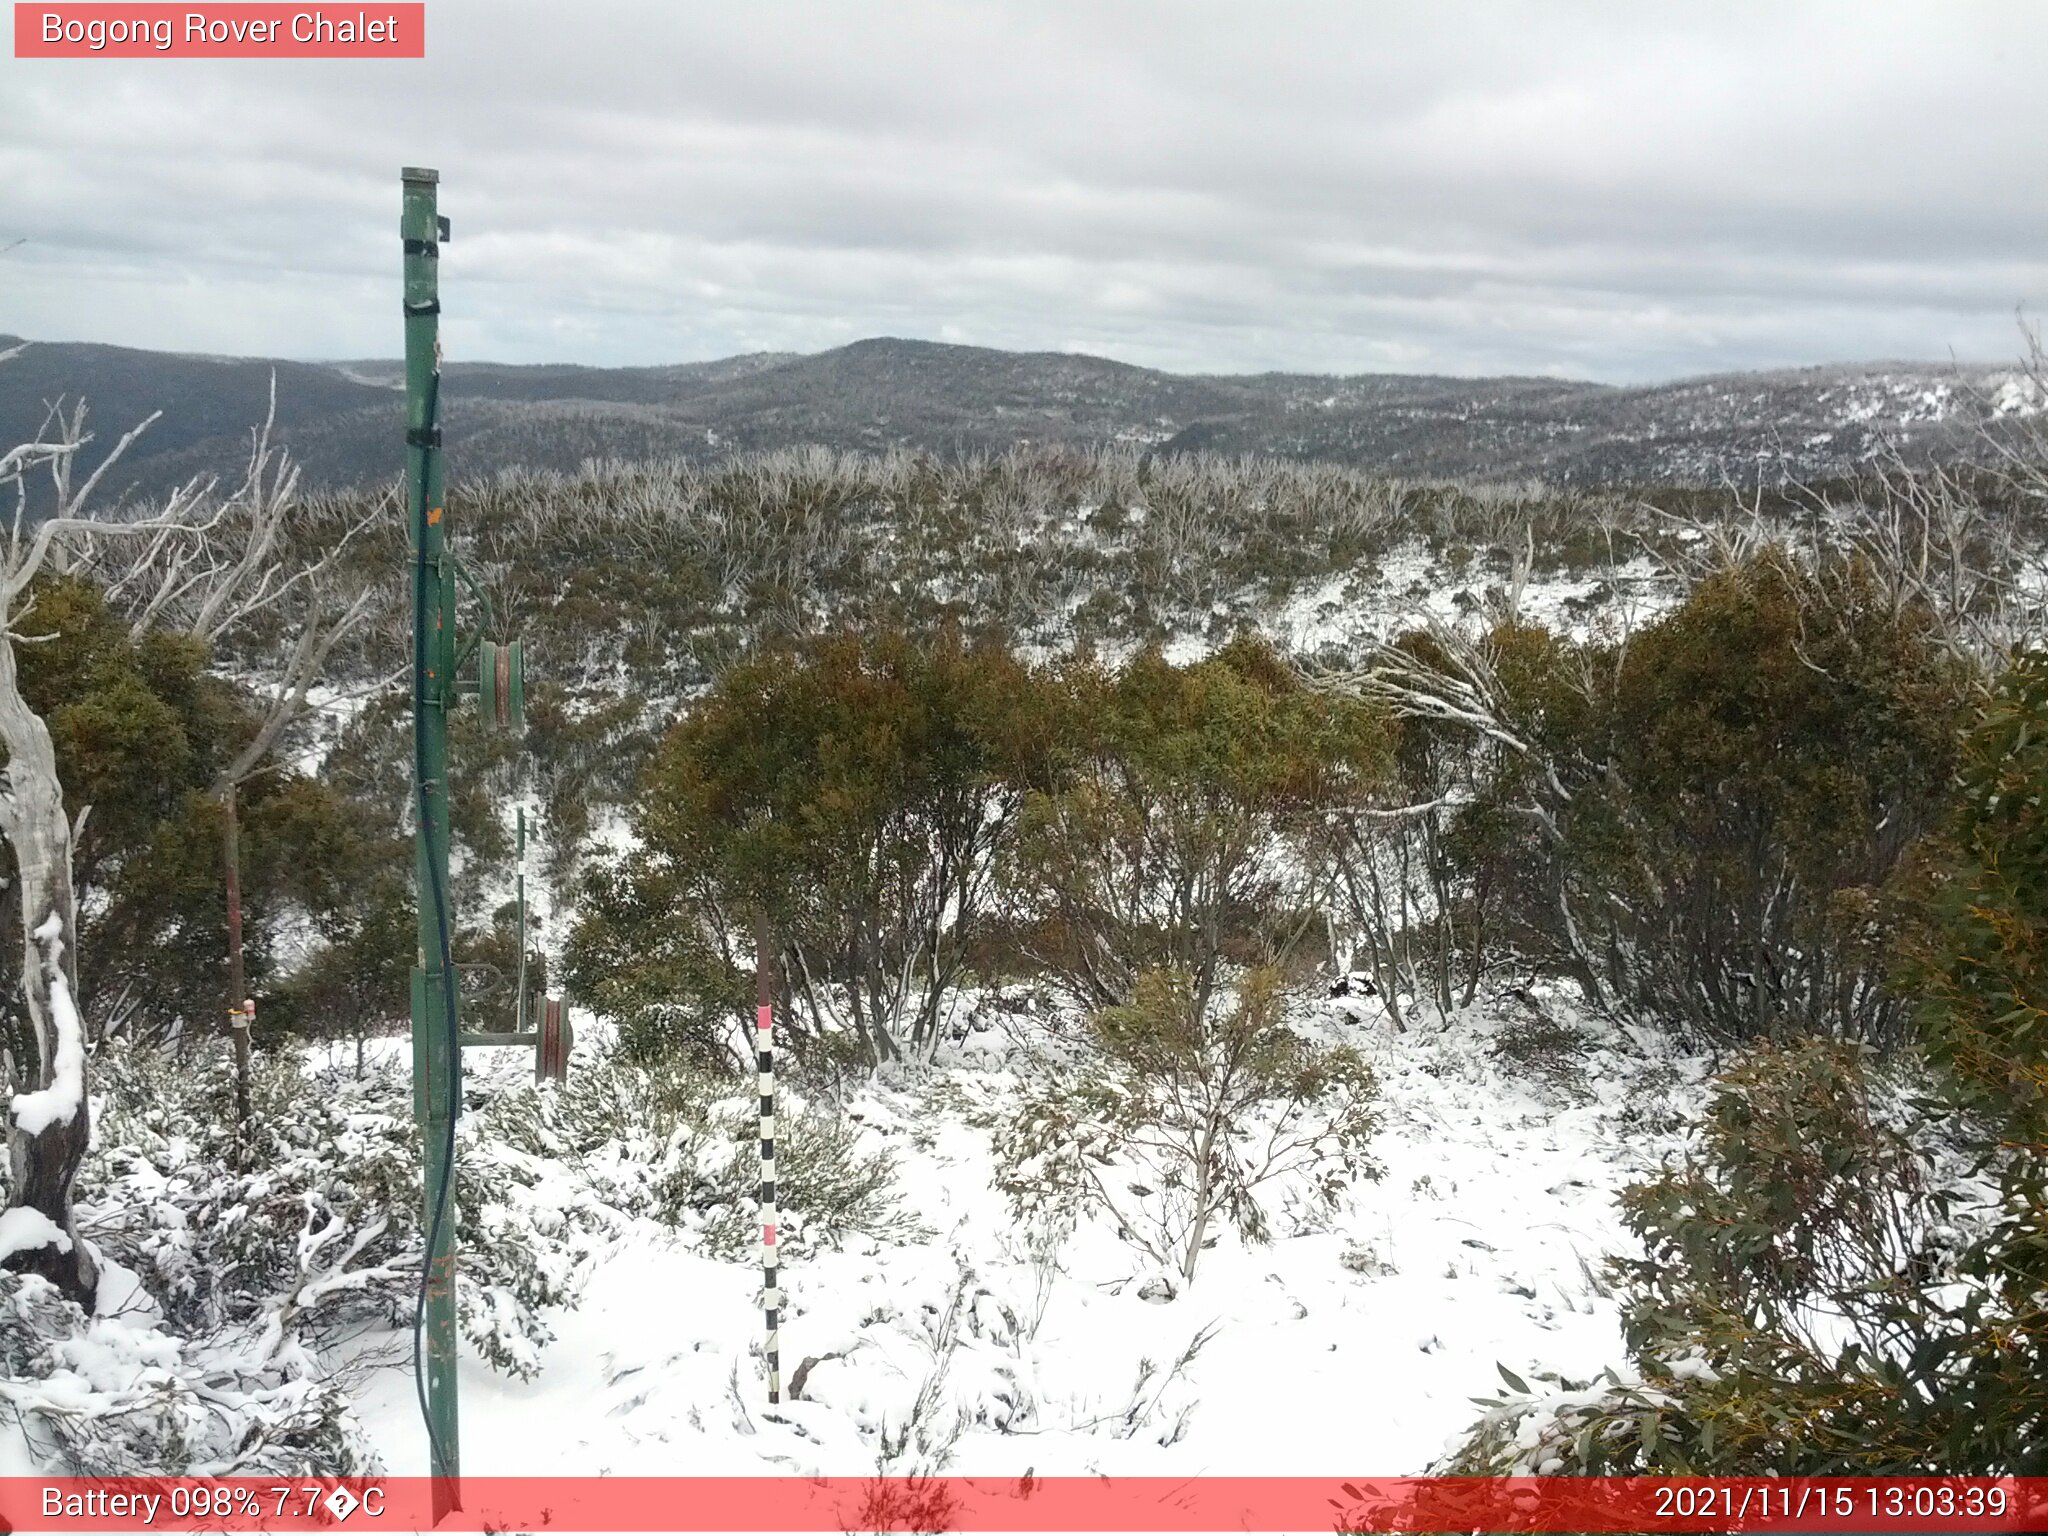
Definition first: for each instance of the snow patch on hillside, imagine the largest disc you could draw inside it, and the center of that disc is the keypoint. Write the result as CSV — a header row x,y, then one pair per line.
x,y
1411,588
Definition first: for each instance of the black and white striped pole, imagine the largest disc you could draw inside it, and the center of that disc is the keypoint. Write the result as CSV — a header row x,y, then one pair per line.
x,y
764,1061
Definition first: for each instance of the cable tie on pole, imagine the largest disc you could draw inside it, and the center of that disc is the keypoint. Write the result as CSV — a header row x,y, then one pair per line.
x,y
416,311
431,249
422,437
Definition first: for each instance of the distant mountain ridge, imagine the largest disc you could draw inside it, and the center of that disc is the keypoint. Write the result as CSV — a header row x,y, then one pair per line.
x,y
343,420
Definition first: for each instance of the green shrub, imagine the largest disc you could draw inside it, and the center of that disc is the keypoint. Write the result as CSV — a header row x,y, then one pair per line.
x,y
1188,1107
827,1189
666,1139
1771,751
1814,1297
1793,1308
1166,840
857,791
1702,824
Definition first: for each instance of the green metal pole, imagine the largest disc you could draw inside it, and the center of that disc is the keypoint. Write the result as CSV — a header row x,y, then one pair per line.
x,y
519,988
436,1058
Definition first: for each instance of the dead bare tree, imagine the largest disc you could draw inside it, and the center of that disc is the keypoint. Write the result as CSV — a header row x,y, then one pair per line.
x,y
1455,680
232,573
1962,548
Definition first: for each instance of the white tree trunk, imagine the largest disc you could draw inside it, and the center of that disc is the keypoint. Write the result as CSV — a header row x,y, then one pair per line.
x,y
48,1126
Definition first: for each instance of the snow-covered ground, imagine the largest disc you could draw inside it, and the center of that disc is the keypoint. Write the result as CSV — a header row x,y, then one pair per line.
x,y
1353,1343
1411,587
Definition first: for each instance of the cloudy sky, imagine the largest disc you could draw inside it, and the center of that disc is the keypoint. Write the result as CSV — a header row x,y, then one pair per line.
x,y
1620,191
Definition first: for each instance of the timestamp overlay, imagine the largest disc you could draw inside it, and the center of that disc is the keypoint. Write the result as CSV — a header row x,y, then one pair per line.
x,y
1008,1503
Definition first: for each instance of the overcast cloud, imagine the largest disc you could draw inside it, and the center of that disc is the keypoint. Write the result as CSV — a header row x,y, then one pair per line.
x,y
1619,191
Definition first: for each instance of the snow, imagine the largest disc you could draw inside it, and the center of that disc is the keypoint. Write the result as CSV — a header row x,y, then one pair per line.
x,y
55,1105
24,1230
2017,395
1411,588
1352,1343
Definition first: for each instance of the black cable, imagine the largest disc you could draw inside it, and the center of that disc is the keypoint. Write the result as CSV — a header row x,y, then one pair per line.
x,y
419,766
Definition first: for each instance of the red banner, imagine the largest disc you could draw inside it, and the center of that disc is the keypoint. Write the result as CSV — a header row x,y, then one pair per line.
x,y
1148,1504
373,30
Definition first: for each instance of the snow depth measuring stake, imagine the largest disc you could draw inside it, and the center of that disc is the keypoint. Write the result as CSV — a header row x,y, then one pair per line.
x,y
764,1057
498,685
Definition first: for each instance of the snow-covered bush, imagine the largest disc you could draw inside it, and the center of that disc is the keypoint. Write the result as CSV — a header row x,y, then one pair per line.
x,y
219,1245
1812,1298
666,1140
117,1394
313,1231
1538,1049
1612,1424
529,1231
236,1267
827,1188
219,1285
1184,1113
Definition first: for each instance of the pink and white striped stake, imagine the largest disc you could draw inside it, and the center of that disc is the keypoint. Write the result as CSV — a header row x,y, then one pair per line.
x,y
764,1061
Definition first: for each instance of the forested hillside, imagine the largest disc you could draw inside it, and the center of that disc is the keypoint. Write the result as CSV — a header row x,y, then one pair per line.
x,y
886,394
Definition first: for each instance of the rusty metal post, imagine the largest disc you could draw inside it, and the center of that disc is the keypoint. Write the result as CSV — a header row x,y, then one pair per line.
x,y
241,1011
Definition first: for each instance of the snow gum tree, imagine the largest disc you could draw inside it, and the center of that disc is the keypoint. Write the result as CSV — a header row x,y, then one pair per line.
x,y
859,791
188,553
236,575
49,1124
1174,836
49,1118
1698,823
